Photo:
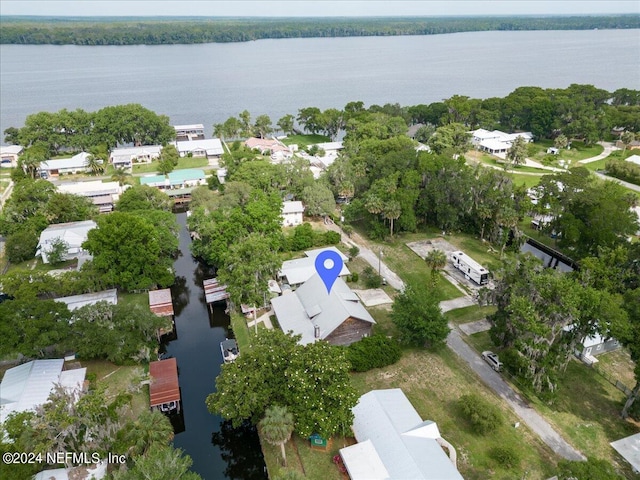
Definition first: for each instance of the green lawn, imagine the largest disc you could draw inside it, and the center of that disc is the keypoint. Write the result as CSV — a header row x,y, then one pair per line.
x,y
586,411
495,162
185,162
305,140
469,314
577,152
433,381
37,265
526,180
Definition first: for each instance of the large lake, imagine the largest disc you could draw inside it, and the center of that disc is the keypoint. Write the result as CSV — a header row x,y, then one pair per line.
x,y
209,83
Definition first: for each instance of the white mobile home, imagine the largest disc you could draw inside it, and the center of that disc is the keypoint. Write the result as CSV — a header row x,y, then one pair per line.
x,y
470,267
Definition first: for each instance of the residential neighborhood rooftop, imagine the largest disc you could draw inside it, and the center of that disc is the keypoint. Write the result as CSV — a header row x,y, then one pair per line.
x,y
75,302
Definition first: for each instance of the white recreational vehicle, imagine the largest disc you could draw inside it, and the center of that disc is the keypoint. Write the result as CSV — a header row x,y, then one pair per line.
x,y
470,268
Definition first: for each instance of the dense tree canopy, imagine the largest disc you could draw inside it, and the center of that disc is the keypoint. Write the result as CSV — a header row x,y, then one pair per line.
x,y
311,381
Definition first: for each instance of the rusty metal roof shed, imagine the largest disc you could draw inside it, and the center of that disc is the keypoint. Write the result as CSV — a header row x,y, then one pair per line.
x,y
160,302
213,291
164,386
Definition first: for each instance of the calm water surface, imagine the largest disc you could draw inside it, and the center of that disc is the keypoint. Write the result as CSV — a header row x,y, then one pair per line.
x,y
211,82
218,451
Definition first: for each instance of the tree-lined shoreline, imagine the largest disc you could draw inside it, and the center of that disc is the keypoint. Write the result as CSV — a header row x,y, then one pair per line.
x,y
32,30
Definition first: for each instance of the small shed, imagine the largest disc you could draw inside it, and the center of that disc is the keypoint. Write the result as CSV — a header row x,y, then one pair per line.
x,y
214,292
164,390
161,303
319,442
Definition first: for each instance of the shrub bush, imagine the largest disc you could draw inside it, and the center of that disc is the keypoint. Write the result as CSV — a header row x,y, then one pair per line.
x,y
355,277
21,245
354,251
331,238
373,352
484,417
371,278
506,457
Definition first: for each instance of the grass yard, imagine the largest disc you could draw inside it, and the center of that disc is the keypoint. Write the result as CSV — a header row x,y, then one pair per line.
x,y
433,382
122,378
469,314
493,161
304,141
185,162
577,152
594,166
526,180
38,266
587,409
617,365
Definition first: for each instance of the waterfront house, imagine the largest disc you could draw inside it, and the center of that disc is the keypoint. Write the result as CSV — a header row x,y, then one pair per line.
x,y
9,155
394,443
337,317
210,148
126,157
292,213
277,150
189,132
74,234
495,142
104,195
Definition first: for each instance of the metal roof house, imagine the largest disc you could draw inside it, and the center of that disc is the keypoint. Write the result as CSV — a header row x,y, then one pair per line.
x,y
629,448
26,386
103,194
161,302
75,164
338,317
75,302
194,131
210,148
299,270
126,157
73,233
394,443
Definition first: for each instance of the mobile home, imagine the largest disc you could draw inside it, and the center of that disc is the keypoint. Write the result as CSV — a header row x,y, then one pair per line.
x,y
470,267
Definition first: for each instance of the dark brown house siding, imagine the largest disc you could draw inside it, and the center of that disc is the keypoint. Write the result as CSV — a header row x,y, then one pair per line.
x,y
349,332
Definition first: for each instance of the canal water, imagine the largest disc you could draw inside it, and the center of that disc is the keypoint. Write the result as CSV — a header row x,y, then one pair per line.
x,y
218,451
548,258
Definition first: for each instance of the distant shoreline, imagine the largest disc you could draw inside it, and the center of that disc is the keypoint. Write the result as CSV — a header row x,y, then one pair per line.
x,y
32,30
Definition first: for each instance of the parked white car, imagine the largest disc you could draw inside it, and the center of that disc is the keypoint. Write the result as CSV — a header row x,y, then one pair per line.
x,y
492,359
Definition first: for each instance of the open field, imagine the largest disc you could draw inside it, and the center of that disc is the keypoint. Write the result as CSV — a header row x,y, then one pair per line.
x,y
578,151
526,180
469,314
586,411
185,162
433,382
618,365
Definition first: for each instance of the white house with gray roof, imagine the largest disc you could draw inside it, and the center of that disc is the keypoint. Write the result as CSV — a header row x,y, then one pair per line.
x,y
394,443
338,317
299,270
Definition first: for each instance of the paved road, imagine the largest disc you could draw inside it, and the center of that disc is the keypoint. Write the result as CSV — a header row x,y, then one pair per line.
x,y
492,379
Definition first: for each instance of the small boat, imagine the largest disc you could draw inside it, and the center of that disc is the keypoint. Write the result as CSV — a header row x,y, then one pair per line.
x,y
229,350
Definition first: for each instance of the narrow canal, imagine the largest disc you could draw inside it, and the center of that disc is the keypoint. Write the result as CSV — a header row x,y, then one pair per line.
x,y
218,451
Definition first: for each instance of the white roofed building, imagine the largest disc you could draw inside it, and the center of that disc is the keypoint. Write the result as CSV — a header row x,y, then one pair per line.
x,y
337,317
77,164
73,233
126,157
194,131
26,386
75,302
103,194
633,159
292,213
210,148
9,155
299,270
496,141
394,443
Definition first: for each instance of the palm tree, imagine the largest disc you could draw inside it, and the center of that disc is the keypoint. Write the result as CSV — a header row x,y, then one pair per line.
x,y
120,175
276,427
94,164
436,260
149,428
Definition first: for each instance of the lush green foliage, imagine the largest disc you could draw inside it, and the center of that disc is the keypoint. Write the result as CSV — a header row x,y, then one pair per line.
x,y
152,32
143,197
483,416
312,381
52,133
506,456
417,315
376,351
371,277
627,171
592,468
276,427
128,252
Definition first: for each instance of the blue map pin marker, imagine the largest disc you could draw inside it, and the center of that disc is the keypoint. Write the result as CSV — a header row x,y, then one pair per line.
x,y
328,265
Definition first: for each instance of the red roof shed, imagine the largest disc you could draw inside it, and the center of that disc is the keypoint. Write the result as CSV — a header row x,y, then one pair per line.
x,y
164,386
